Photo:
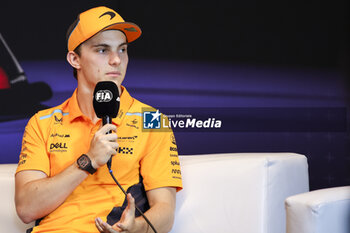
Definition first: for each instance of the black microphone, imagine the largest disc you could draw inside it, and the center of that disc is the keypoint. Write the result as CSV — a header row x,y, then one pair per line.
x,y
106,104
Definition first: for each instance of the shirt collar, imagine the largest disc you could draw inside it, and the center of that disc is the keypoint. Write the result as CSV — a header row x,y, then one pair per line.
x,y
74,110
125,103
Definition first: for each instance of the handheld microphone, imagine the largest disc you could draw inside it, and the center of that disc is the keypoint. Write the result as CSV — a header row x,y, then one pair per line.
x,y
106,104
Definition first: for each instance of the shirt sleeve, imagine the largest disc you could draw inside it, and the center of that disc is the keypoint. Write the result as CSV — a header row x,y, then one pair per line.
x,y
160,167
33,154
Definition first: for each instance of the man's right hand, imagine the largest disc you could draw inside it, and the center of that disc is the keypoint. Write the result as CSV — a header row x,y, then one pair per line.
x,y
103,145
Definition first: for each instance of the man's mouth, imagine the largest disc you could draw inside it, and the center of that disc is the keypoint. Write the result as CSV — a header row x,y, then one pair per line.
x,y
113,73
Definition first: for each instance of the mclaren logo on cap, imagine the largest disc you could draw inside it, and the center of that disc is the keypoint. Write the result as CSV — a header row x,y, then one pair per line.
x,y
103,96
110,13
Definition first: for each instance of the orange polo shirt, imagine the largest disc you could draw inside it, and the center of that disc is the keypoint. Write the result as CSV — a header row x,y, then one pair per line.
x,y
54,138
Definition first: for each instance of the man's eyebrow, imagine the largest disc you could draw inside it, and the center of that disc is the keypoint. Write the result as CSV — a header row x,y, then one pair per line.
x,y
101,45
122,44
107,46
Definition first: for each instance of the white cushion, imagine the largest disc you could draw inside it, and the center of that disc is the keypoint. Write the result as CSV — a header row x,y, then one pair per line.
x,y
320,211
241,193
9,221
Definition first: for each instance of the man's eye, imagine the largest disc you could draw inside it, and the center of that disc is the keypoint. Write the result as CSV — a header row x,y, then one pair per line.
x,y
122,50
101,50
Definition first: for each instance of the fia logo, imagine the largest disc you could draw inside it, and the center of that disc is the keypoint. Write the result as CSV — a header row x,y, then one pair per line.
x,y
151,120
103,96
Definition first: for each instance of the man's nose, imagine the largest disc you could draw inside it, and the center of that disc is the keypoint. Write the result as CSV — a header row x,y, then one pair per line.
x,y
114,59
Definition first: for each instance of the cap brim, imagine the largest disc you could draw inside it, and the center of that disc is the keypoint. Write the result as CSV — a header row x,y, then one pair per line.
x,y
131,30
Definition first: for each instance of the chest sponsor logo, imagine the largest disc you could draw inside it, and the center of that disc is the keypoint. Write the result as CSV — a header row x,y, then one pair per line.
x,y
173,148
58,147
128,139
125,150
133,124
60,135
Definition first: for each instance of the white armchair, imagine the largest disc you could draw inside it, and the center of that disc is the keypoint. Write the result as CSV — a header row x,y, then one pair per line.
x,y
320,211
241,193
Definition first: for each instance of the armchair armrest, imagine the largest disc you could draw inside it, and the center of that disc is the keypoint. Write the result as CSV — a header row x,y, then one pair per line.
x,y
320,211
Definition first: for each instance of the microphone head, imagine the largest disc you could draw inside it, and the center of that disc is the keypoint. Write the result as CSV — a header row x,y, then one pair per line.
x,y
106,99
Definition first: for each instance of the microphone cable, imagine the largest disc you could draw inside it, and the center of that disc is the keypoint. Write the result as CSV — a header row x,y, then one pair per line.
x,y
109,165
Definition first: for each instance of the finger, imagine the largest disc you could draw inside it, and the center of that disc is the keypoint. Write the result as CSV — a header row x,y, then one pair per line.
x,y
108,228
108,127
131,201
114,145
112,137
116,228
122,227
98,222
131,204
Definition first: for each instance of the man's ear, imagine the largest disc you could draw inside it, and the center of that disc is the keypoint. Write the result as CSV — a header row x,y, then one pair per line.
x,y
73,59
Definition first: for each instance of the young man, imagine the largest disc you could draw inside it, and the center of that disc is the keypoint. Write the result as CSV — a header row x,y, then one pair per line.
x,y
62,176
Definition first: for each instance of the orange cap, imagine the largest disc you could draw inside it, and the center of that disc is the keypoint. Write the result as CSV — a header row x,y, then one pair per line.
x,y
97,19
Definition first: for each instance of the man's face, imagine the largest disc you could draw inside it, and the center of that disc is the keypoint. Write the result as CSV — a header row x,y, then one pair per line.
x,y
103,57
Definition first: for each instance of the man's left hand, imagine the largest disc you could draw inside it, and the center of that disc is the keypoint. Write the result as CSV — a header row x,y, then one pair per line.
x,y
126,222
